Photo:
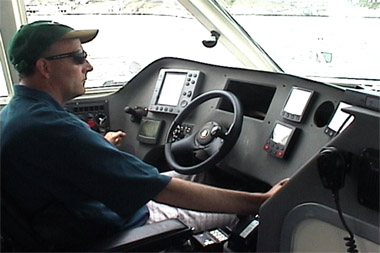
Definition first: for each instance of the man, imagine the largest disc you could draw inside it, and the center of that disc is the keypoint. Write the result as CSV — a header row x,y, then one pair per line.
x,y
69,179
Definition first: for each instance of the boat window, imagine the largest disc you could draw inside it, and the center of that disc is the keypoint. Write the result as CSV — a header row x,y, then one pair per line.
x,y
3,84
4,74
132,34
328,39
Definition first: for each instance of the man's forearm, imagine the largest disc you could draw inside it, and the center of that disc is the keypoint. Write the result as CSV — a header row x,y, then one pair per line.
x,y
200,197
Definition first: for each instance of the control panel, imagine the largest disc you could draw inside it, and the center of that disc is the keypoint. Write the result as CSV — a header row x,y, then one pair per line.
x,y
181,131
211,240
95,114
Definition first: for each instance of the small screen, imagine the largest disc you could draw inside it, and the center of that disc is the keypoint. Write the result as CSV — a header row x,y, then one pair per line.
x,y
281,134
150,128
339,118
171,89
297,101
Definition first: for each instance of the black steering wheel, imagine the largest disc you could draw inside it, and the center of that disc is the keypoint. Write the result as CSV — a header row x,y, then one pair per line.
x,y
211,140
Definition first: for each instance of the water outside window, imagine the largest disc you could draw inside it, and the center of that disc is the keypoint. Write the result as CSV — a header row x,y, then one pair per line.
x,y
321,38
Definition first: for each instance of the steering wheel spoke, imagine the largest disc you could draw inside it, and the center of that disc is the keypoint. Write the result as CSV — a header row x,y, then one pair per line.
x,y
214,146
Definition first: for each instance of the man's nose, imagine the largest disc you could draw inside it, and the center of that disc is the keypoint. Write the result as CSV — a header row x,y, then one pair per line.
x,y
89,66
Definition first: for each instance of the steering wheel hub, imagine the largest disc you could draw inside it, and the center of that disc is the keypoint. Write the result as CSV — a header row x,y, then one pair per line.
x,y
204,133
207,133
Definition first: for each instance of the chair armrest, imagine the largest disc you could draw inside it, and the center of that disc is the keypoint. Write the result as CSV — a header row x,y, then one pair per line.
x,y
151,237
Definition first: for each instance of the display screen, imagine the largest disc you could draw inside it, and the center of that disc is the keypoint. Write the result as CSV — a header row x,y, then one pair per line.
x,y
340,118
171,88
150,128
281,134
297,101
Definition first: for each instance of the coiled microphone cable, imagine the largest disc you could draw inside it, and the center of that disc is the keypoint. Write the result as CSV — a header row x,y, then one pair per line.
x,y
332,167
350,240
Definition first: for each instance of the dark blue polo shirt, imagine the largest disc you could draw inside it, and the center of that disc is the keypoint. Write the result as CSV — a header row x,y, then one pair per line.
x,y
50,156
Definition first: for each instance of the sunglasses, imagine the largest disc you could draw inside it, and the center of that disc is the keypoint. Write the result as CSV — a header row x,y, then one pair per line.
x,y
79,57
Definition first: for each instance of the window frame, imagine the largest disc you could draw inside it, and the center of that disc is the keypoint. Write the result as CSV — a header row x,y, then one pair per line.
x,y
16,16
6,73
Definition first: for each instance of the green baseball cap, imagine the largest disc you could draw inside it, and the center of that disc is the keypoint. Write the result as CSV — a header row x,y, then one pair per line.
x,y
31,40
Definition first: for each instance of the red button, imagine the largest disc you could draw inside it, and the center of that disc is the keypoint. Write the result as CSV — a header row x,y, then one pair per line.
x,y
91,123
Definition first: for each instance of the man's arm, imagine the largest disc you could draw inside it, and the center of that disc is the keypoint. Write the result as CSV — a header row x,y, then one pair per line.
x,y
195,196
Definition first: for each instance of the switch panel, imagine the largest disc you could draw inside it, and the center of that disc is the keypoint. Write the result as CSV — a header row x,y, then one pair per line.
x,y
95,114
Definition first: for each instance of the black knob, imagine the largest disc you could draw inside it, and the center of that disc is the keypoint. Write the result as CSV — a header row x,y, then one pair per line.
x,y
136,113
130,110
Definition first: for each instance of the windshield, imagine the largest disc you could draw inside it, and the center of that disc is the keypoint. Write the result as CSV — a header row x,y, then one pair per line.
x,y
325,38
335,39
132,34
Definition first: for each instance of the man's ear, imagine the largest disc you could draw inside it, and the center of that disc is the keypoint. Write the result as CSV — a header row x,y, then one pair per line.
x,y
43,67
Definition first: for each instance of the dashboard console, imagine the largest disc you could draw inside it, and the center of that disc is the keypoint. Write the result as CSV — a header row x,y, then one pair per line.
x,y
287,119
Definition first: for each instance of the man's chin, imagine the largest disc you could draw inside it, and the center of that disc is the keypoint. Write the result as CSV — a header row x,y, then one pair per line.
x,y
79,93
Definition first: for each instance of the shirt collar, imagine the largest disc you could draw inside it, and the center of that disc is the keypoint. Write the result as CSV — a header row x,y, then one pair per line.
x,y
26,91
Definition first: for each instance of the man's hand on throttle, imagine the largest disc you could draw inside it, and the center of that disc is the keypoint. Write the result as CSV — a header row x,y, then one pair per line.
x,y
115,137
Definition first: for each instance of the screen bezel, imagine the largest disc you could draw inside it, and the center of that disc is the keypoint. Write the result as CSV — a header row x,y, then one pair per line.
x,y
291,99
188,90
277,149
149,139
289,135
343,124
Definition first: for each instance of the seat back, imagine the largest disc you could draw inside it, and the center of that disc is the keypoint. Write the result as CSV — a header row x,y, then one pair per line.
x,y
16,232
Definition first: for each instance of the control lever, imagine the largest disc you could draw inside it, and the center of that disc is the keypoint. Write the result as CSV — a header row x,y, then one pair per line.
x,y
136,113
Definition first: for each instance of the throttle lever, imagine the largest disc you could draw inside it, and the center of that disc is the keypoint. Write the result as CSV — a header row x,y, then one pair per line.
x,y
136,113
